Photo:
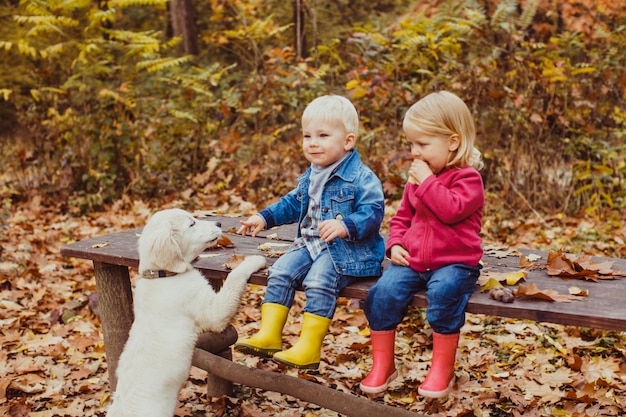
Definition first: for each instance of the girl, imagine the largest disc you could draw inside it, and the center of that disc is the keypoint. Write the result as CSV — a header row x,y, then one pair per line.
x,y
434,241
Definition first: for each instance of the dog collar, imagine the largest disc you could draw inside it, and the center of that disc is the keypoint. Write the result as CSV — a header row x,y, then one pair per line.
x,y
153,273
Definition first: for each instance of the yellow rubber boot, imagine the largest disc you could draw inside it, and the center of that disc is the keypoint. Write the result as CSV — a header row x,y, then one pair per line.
x,y
305,354
268,340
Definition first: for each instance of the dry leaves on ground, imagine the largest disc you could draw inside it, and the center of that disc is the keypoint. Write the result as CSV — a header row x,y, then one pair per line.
x,y
52,361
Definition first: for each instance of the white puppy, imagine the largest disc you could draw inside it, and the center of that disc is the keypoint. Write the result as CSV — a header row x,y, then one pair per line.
x,y
174,303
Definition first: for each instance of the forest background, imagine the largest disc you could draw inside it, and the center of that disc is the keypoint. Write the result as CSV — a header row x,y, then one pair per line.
x,y
112,109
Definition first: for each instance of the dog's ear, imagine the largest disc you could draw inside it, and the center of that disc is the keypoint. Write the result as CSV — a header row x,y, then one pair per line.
x,y
165,252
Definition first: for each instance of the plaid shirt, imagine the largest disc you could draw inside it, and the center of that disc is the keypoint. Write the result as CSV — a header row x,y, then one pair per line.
x,y
309,235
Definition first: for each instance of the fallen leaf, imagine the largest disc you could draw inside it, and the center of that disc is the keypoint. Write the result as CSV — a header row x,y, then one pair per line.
x,y
532,291
29,384
268,246
100,245
499,251
579,266
490,279
224,241
274,250
513,278
578,291
208,255
234,261
598,368
544,391
491,283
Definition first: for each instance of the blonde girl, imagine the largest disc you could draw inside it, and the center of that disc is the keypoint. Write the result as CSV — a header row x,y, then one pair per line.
x,y
434,241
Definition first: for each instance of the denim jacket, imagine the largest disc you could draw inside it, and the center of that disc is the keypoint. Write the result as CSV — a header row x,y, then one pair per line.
x,y
353,194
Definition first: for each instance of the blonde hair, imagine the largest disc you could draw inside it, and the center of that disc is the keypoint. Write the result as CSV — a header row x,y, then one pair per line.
x,y
445,114
332,108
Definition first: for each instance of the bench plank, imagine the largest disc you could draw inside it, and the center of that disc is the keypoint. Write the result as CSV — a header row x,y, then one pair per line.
x,y
346,404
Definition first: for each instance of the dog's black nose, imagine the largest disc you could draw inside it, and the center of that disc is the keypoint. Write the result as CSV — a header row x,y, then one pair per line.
x,y
218,224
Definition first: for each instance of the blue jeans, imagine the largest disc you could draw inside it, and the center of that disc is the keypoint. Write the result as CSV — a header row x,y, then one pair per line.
x,y
447,291
321,283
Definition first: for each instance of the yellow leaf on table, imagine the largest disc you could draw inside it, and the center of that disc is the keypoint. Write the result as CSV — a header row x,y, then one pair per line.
x,y
492,283
513,278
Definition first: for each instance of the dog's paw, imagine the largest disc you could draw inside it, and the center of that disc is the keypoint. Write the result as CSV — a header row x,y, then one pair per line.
x,y
254,262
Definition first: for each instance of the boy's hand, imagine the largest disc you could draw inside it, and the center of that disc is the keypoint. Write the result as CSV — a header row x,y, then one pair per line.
x,y
253,224
330,229
399,256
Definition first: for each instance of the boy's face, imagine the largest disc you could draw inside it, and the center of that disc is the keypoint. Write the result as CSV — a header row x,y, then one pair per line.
x,y
324,142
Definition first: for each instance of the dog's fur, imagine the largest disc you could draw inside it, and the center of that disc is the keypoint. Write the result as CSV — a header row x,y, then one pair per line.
x,y
171,312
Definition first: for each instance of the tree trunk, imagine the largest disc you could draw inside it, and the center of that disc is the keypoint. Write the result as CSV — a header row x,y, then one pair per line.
x,y
106,23
298,28
184,25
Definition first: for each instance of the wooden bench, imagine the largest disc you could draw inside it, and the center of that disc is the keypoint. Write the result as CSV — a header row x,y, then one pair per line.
x,y
114,254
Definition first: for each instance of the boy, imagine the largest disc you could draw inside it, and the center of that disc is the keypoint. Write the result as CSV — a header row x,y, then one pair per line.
x,y
339,206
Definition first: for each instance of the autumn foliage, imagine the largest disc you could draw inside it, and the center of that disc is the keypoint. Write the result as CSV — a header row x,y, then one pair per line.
x,y
103,120
97,100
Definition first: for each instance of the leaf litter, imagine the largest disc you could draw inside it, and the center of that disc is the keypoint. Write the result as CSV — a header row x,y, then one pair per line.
x,y
52,361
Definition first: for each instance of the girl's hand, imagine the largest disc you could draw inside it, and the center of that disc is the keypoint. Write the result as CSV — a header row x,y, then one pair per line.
x,y
330,229
253,224
399,256
419,171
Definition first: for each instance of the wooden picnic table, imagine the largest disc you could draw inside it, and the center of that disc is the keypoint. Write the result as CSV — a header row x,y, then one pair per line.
x,y
114,254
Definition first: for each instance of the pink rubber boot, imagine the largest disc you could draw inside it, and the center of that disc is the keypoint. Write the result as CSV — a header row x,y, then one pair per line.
x,y
440,378
383,369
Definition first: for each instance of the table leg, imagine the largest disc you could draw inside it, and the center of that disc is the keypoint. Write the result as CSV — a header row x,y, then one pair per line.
x,y
218,344
115,302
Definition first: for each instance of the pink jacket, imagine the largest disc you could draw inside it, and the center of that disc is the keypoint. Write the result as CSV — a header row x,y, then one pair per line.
x,y
439,221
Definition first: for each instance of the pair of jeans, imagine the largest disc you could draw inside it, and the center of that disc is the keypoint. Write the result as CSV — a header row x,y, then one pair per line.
x,y
321,283
447,291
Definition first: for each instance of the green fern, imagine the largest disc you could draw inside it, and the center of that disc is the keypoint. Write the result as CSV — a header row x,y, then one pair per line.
x,y
160,64
145,44
504,14
475,13
528,14
55,50
26,49
183,115
37,8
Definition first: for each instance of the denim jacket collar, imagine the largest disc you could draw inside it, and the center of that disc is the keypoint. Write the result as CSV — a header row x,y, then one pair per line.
x,y
347,170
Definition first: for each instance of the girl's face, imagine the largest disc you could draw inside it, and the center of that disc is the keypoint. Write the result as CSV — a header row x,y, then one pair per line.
x,y
324,143
434,150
